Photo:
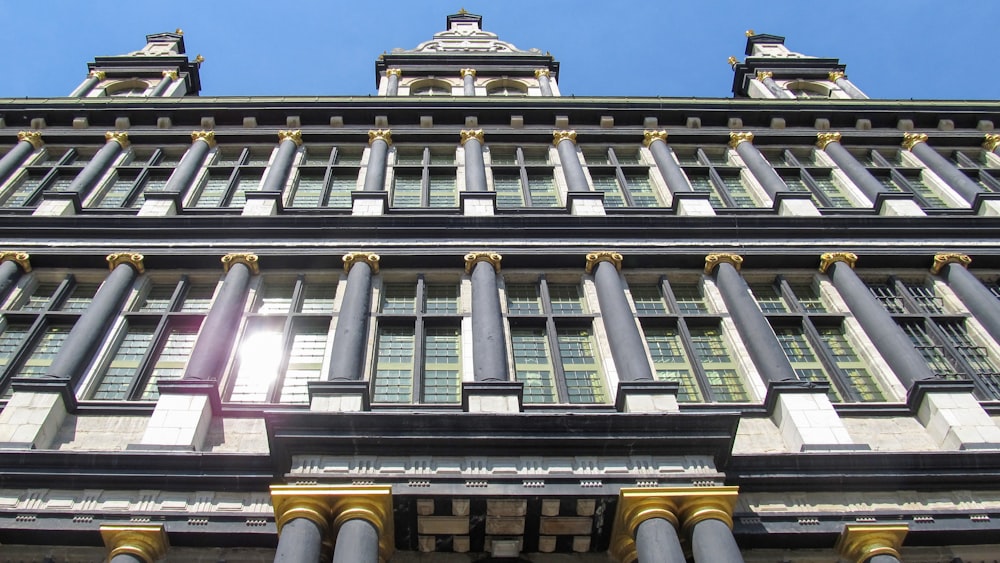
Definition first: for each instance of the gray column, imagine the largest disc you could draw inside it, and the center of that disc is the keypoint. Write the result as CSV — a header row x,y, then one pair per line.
x,y
347,356
392,74
656,541
668,167
712,542
92,80
758,165
187,170
489,343
897,349
565,142
841,80
357,542
542,75
883,559
11,265
91,174
27,143
992,143
767,79
301,541
127,558
862,178
281,166
917,144
475,166
379,140
83,341
980,301
161,87
619,323
469,81
211,350
756,332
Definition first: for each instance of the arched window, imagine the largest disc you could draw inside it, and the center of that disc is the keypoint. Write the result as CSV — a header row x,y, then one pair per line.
x,y
806,90
127,89
506,88
430,88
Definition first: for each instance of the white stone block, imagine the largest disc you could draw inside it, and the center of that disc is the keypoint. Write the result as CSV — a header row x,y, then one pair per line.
x,y
179,420
260,207
808,421
367,207
478,207
638,403
493,403
989,208
901,208
54,208
33,418
336,403
957,421
798,208
695,208
157,208
586,207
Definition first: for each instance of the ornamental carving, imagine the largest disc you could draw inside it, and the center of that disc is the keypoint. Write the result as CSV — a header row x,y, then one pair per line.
x,y
19,258
119,137
836,75
824,139
397,72
467,72
861,542
207,136
380,135
910,140
352,258
293,136
33,137
991,142
540,72
467,134
764,74
713,260
732,61
942,260
473,258
595,258
649,136
247,259
560,136
98,74
737,137
171,74
131,258
827,259
146,542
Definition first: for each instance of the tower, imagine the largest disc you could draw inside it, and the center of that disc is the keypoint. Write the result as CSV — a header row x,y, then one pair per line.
x,y
158,69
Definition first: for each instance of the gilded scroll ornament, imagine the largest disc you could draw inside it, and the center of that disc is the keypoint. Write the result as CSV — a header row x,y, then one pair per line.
x,y
560,136
19,258
473,258
829,258
33,137
119,137
540,72
595,258
991,142
943,259
836,75
144,541
713,260
369,258
133,259
467,134
910,140
824,139
294,136
649,136
247,259
737,137
380,135
207,136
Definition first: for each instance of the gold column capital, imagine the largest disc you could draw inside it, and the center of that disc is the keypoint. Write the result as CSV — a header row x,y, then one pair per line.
x,y
824,139
564,135
467,72
648,136
828,259
248,259
991,142
294,136
540,72
98,74
171,74
380,134
943,259
207,136
369,258
713,260
199,59
119,137
595,258
133,259
145,541
911,139
397,72
19,258
33,137
467,134
763,74
836,75
737,137
473,258
733,61
860,542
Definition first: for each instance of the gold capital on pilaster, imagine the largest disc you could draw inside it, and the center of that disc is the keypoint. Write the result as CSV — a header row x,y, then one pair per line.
x,y
467,134
473,258
133,259
540,72
737,137
290,135
595,258
147,542
246,258
98,74
19,258
171,74
762,74
649,136
824,139
991,142
467,72
836,75
369,258
397,72
207,136
119,137
861,542
827,259
732,61
380,134
943,259
911,139
33,137
713,260
560,136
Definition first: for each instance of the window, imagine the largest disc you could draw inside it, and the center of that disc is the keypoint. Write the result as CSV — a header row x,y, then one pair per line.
x,y
709,171
978,167
897,175
801,173
430,88
53,169
506,88
233,171
144,170
425,177
806,90
325,177
523,177
625,182
127,89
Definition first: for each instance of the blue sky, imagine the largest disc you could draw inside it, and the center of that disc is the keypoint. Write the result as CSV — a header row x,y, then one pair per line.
x,y
922,49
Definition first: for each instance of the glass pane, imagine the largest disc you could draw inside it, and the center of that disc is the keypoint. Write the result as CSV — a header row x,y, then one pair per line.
x,y
565,299
700,183
275,297
399,298
642,191
583,380
318,296
305,364
18,196
612,191
930,350
116,378
768,298
442,299
394,366
259,355
808,298
443,192
689,299
406,190
38,299
308,189
542,190
213,189
671,362
508,188
926,298
975,355
738,191
648,300
248,181
10,342
156,299
79,297
340,191
118,189
831,190
442,377
198,298
172,359
44,351
720,369
533,364
855,370
887,296
522,299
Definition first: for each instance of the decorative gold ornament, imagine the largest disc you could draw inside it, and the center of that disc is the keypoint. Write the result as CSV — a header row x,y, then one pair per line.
x,y
764,74
540,72
247,259
942,260
147,542
467,134
462,12
352,258
19,258
910,140
991,142
207,136
119,137
98,74
179,31
824,139
133,259
473,258
732,61
750,33
33,137
827,259
380,135
713,260
467,72
836,75
397,72
171,74
560,136
595,258
199,59
293,136
861,542
737,137
649,136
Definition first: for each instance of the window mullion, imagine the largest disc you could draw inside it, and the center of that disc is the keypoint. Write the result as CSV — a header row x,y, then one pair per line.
x,y
721,188
419,331
156,342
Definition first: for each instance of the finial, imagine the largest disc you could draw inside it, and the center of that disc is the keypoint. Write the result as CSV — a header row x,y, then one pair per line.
x,y
732,61
750,33
179,31
199,59
462,11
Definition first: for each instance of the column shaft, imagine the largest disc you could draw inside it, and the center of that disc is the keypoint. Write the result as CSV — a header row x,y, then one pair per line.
x,y
87,179
756,332
357,542
347,357
162,86
656,541
980,301
86,87
469,84
671,171
854,170
211,351
712,542
883,559
9,273
392,89
778,91
623,335
489,344
127,558
90,329
301,541
375,174
475,167
897,349
952,176
281,167
851,89
14,158
188,168
544,85
573,170
759,167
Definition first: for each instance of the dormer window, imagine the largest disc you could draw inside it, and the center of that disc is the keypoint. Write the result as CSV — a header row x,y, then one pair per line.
x,y
127,89
431,88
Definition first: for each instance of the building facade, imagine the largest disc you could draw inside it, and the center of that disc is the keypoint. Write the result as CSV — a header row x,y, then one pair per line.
x,y
469,319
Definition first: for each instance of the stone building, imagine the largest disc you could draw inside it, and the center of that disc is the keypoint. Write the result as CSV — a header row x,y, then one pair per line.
x,y
471,320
